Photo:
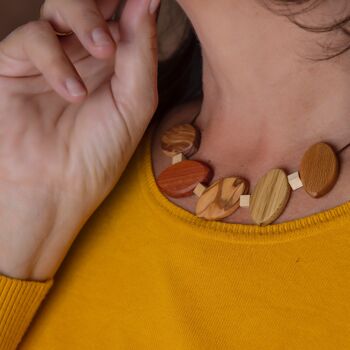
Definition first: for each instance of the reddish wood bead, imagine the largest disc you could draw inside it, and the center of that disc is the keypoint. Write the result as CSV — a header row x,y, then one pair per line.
x,y
319,170
180,180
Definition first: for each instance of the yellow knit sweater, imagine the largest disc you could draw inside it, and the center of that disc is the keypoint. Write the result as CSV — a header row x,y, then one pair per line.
x,y
146,274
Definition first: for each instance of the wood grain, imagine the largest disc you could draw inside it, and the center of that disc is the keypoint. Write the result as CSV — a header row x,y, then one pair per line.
x,y
182,138
180,180
221,199
270,197
319,170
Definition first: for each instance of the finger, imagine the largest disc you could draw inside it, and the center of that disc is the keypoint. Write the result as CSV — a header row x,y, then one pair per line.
x,y
135,80
35,46
84,18
95,72
73,48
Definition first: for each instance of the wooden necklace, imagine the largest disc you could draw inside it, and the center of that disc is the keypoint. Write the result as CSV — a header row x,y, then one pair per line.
x,y
318,173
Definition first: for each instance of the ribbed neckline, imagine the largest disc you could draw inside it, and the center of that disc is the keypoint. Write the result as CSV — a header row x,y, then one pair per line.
x,y
303,227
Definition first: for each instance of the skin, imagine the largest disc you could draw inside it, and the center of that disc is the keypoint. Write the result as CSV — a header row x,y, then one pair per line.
x,y
62,153
265,102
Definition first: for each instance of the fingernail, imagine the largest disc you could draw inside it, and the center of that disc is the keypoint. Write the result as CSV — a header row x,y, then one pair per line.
x,y
101,38
75,87
154,5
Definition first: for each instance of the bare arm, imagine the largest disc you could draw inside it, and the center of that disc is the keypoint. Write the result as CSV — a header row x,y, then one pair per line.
x,y
72,112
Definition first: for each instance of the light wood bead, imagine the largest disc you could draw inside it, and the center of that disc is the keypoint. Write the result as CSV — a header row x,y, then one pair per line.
x,y
221,199
182,138
270,197
244,201
199,190
178,158
180,180
319,170
295,181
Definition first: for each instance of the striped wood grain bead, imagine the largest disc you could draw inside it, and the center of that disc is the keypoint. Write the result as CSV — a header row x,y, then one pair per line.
x,y
180,180
221,199
319,170
270,197
182,138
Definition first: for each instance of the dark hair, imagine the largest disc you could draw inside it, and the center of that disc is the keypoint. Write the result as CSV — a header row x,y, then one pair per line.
x,y
180,76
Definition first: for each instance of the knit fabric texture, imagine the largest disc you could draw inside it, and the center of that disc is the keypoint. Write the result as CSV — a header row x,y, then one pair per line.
x,y
146,274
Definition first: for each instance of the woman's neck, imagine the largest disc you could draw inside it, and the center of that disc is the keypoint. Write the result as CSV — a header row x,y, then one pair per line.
x,y
262,95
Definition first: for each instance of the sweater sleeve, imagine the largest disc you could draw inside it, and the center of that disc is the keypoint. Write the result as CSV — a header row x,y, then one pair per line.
x,y
19,301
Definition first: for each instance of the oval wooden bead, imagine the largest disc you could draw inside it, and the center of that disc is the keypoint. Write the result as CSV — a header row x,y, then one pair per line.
x,y
179,180
319,170
270,197
221,199
182,138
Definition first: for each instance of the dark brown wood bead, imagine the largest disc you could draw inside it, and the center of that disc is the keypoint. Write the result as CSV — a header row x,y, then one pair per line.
x,y
179,180
319,170
221,199
182,138
270,197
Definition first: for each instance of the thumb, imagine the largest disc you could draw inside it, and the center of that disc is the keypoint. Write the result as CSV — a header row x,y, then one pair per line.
x,y
135,81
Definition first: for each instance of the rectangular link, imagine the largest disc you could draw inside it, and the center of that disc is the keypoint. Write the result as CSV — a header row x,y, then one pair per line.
x,y
244,201
178,158
199,190
295,181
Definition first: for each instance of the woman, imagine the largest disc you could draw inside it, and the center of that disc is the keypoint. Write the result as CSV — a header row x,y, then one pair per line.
x,y
146,272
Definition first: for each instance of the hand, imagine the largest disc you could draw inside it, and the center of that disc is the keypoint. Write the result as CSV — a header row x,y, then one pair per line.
x,y
71,116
